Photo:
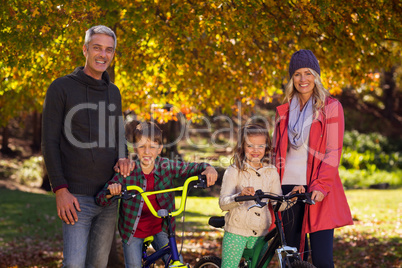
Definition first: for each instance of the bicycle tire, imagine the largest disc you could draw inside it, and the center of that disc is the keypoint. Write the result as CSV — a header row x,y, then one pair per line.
x,y
209,261
302,264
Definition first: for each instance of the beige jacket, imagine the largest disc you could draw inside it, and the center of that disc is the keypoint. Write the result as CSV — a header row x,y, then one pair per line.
x,y
239,220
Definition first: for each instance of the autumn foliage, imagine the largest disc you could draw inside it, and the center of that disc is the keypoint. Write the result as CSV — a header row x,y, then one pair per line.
x,y
195,55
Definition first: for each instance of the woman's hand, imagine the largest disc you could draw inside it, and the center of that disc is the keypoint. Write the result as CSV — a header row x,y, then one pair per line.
x,y
115,189
247,191
317,196
297,189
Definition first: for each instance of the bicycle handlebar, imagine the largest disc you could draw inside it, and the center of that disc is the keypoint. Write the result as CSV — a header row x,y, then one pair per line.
x,y
201,183
305,197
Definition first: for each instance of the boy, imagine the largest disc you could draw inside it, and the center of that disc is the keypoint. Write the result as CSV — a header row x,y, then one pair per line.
x,y
151,173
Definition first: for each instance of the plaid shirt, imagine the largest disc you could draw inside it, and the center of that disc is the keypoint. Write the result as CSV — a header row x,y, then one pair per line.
x,y
165,171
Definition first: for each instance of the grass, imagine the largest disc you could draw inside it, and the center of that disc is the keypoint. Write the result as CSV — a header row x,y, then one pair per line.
x,y
373,241
375,238
198,211
30,231
376,212
27,215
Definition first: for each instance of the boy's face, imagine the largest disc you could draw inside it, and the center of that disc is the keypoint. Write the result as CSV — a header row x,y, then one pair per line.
x,y
147,152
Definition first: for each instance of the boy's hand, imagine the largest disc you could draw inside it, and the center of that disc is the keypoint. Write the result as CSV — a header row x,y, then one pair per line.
x,y
212,175
115,189
124,166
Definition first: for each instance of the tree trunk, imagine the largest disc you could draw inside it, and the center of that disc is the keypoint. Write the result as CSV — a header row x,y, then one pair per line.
x,y
388,85
171,132
4,144
37,130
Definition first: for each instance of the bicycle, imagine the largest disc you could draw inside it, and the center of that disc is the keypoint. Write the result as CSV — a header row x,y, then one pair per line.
x,y
171,247
264,249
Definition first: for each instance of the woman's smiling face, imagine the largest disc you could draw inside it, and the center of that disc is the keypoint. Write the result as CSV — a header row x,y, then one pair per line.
x,y
303,81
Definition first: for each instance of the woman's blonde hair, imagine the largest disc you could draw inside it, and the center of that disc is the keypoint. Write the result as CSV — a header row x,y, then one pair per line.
x,y
320,93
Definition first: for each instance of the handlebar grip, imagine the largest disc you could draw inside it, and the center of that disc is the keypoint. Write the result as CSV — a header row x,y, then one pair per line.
x,y
113,197
309,200
244,198
202,182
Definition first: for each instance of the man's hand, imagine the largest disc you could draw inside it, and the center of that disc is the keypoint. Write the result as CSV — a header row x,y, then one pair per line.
x,y
212,175
67,206
124,166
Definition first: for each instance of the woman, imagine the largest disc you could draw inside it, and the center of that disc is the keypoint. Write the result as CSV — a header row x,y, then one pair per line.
x,y
308,141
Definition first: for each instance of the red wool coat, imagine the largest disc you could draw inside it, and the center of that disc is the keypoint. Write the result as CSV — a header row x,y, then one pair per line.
x,y
324,153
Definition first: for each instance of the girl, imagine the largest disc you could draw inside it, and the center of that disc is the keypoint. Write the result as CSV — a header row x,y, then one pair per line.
x,y
249,172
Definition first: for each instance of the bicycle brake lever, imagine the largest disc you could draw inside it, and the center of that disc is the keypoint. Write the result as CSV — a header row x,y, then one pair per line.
x,y
258,200
202,182
255,205
125,194
308,199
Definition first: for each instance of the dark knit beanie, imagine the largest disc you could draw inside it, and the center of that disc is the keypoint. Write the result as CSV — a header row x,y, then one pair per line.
x,y
303,58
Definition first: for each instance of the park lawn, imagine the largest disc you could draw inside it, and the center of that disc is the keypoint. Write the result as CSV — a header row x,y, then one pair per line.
x,y
27,216
375,238
30,231
28,219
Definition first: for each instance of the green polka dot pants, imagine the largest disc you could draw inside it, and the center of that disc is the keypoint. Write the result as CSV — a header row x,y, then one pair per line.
x,y
232,248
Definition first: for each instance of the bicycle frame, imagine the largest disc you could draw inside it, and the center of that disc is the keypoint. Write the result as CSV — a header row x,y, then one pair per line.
x,y
171,247
278,243
278,237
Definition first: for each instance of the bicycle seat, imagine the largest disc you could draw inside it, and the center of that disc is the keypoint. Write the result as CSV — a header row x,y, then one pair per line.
x,y
217,221
148,240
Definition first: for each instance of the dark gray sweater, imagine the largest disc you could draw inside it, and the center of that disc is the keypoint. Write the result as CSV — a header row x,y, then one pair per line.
x,y
82,132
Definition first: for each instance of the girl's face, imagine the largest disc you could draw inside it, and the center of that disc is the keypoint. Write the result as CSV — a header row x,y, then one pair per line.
x,y
255,149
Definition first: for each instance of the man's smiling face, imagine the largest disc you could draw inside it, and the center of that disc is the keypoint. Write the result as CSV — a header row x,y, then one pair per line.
x,y
99,54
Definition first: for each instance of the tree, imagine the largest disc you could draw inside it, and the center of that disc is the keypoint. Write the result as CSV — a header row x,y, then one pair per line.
x,y
195,55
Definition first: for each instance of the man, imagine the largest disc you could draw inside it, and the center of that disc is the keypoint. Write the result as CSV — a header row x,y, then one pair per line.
x,y
82,139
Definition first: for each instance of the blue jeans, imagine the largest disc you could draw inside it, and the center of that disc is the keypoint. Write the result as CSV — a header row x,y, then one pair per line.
x,y
87,243
133,251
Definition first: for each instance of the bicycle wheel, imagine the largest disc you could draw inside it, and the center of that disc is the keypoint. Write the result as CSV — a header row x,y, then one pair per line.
x,y
302,264
209,261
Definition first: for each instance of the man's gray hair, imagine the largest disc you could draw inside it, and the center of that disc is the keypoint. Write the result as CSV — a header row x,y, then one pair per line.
x,y
99,29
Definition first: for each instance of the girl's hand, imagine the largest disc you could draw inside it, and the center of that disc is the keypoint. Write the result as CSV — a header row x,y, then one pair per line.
x,y
317,196
115,189
247,191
